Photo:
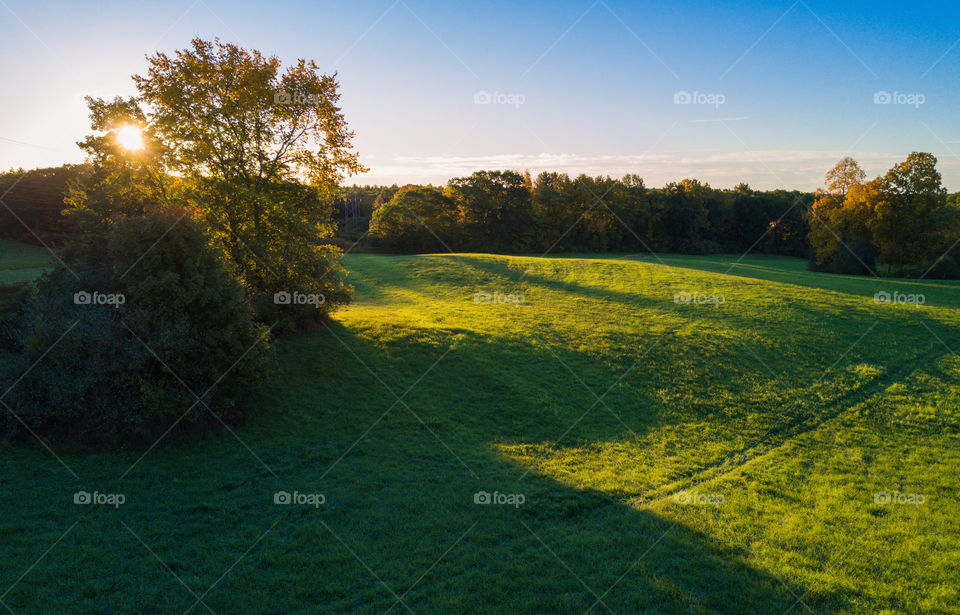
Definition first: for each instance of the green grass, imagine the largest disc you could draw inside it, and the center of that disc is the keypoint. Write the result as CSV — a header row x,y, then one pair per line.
x,y
20,262
785,409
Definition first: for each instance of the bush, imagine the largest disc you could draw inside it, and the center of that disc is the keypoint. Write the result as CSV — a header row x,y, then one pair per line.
x,y
311,285
285,252
122,345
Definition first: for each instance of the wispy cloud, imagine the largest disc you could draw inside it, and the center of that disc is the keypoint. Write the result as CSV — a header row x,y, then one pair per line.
x,y
722,119
799,169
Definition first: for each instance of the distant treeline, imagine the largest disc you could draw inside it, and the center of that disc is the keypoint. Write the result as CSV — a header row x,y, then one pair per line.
x,y
32,202
509,212
901,224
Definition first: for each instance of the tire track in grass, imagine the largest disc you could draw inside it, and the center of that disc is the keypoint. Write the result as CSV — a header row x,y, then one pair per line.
x,y
791,430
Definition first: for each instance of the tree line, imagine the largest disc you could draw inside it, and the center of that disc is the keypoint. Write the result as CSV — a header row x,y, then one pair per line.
x,y
505,211
902,223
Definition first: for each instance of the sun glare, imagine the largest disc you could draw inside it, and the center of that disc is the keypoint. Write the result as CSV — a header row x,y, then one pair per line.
x,y
129,137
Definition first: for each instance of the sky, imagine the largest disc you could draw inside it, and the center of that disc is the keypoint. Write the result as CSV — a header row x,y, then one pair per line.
x,y
770,93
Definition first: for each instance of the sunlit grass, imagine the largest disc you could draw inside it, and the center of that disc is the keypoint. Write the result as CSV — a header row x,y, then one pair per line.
x,y
731,466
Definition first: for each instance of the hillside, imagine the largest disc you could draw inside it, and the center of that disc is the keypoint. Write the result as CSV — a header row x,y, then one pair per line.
x,y
686,433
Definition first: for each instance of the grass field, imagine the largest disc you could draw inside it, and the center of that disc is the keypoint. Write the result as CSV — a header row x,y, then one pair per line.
x,y
20,262
780,444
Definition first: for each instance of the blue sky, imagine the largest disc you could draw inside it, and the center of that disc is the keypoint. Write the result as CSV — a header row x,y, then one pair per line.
x,y
777,91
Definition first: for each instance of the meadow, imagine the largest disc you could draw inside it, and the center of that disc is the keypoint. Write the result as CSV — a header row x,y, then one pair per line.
x,y
659,434
21,262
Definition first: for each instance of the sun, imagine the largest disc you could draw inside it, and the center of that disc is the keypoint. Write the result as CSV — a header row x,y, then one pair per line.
x,y
129,137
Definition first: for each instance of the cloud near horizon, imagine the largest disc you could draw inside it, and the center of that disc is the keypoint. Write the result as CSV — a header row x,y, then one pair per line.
x,y
788,169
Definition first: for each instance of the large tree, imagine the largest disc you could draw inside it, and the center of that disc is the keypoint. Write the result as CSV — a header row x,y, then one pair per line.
x,y
246,136
900,222
903,220
839,234
494,209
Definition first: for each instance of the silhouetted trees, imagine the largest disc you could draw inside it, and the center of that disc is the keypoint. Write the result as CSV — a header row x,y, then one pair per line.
x,y
507,212
32,202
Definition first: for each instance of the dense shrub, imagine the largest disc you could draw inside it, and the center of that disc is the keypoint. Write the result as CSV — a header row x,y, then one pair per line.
x,y
162,322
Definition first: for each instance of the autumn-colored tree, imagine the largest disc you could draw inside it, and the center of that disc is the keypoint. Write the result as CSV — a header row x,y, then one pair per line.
x,y
839,235
900,222
246,137
844,175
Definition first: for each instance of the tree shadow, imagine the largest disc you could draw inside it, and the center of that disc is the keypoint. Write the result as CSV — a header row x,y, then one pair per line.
x,y
796,272
402,516
406,502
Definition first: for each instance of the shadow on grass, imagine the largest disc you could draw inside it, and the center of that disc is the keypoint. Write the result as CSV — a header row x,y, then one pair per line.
x,y
400,518
795,271
403,497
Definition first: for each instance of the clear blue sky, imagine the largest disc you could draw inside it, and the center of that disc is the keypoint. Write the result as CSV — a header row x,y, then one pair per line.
x,y
778,91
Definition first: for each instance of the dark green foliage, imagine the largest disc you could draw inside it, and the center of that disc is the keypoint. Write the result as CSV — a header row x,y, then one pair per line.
x,y
419,219
494,210
501,211
33,201
129,369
